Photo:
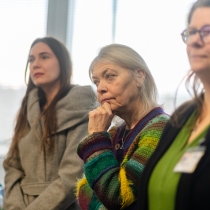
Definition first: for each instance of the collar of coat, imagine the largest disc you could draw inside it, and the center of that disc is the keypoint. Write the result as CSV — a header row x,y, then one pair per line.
x,y
71,110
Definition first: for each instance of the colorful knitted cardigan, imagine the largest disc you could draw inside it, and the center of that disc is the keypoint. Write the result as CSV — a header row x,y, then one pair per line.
x,y
108,184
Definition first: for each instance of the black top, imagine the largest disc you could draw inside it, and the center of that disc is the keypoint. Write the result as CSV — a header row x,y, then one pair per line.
x,y
193,191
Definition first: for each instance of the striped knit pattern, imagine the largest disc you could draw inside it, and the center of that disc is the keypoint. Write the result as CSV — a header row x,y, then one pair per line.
x,y
110,184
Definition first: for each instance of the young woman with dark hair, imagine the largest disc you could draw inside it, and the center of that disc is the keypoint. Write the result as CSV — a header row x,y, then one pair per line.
x,y
42,165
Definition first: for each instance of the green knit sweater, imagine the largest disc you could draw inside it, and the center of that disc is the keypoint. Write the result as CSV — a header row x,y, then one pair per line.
x,y
108,183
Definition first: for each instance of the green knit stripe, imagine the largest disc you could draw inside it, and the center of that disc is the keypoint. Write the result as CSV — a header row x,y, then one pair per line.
x,y
85,195
95,203
148,142
134,170
102,169
102,207
159,121
108,188
96,167
148,137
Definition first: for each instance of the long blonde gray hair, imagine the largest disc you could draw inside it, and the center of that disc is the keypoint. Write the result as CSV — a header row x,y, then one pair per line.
x,y
128,58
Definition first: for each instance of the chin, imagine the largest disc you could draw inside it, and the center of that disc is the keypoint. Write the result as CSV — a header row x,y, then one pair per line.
x,y
199,68
113,108
38,84
116,110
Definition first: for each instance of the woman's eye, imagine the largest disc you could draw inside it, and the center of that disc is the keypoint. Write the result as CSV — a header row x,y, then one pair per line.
x,y
44,57
30,60
96,82
192,32
110,76
206,33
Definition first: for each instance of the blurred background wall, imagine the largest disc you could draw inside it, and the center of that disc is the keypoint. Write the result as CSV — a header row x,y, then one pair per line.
x,y
152,28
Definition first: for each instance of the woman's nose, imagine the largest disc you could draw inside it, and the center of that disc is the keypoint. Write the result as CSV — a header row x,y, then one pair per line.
x,y
195,39
35,64
102,87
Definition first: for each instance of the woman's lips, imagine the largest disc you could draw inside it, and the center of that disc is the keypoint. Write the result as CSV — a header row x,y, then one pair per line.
x,y
198,56
106,100
38,75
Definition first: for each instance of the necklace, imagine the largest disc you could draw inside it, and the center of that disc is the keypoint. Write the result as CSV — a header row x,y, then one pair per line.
x,y
124,137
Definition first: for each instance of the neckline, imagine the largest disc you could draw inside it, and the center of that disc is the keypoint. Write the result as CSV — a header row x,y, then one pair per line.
x,y
124,136
138,127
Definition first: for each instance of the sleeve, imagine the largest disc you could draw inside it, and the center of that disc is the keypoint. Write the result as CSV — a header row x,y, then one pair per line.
x,y
12,191
108,183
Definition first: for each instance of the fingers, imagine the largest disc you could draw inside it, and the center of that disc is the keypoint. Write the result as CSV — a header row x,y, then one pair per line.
x,y
100,118
105,108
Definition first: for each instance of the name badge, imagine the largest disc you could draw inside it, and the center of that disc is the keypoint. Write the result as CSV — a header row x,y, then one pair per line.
x,y
190,160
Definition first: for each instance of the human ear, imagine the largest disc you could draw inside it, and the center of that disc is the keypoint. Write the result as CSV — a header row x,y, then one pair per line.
x,y
139,76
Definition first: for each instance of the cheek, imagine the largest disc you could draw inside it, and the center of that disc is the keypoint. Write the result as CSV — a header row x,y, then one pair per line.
x,y
123,92
129,85
30,73
120,86
208,49
118,90
98,96
188,50
29,69
56,71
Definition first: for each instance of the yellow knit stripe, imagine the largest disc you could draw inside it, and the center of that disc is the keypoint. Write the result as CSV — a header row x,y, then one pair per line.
x,y
79,184
150,142
125,160
125,190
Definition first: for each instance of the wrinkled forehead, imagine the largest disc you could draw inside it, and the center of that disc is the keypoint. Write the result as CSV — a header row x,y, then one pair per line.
x,y
100,66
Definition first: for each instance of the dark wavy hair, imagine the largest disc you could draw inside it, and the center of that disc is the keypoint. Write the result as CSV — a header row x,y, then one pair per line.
x,y
50,121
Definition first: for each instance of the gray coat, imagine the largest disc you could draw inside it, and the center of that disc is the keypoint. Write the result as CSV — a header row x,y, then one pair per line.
x,y
35,181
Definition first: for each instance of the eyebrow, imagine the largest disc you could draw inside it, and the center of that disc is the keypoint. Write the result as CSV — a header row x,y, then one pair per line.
x,y
194,28
42,53
103,73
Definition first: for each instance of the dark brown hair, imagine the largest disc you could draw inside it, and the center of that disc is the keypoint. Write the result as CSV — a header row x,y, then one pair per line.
x,y
49,114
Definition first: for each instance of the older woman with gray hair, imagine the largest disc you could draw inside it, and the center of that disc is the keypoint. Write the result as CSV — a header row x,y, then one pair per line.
x,y
115,157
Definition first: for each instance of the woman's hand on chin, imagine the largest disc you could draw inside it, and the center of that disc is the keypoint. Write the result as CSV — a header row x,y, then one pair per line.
x,y
100,118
